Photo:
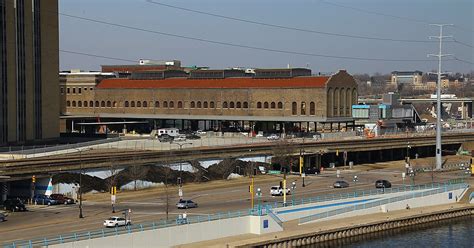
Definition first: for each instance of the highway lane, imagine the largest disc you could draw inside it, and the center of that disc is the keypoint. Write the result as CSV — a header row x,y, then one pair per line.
x,y
44,221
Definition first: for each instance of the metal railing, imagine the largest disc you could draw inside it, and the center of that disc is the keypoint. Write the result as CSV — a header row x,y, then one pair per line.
x,y
441,188
261,210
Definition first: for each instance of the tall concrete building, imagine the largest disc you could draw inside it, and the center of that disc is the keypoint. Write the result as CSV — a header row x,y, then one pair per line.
x,y
29,66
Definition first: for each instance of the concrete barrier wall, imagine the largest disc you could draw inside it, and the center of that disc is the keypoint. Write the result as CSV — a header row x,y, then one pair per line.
x,y
183,234
299,211
431,200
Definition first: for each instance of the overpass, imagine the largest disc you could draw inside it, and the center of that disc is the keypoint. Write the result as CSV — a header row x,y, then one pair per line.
x,y
316,153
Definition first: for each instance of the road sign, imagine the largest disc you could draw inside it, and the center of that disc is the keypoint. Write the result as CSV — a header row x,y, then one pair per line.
x,y
338,173
404,175
113,198
180,192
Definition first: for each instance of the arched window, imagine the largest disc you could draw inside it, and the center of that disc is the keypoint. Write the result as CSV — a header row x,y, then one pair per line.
x,y
272,105
212,105
246,105
180,104
330,103
259,105
239,105
294,108
199,104
205,105
139,104
91,104
171,104
224,105
280,105
79,104
336,102
97,104
157,104
132,104
303,108
312,108
102,104
354,96
193,104
73,104
114,104
265,105
85,104
342,99
68,104
145,104
348,102
231,105
127,104
165,104
109,104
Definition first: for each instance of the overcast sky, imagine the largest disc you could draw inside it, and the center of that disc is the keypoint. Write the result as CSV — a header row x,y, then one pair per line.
x,y
104,40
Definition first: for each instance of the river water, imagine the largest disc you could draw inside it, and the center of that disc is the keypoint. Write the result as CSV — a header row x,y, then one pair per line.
x,y
456,233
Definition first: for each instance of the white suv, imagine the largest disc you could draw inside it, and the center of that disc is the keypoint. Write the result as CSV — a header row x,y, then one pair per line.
x,y
277,190
116,222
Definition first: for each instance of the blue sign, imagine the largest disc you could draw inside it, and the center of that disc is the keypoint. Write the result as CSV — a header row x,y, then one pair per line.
x,y
450,195
265,223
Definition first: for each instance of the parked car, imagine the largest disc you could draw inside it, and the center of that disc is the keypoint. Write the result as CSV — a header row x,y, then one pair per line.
x,y
273,137
180,137
3,216
200,132
341,184
14,205
115,221
186,204
165,138
44,200
312,171
61,199
277,190
192,136
382,184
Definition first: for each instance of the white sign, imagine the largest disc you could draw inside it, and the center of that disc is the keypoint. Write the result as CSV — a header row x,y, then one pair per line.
x,y
112,199
303,175
180,192
338,173
404,175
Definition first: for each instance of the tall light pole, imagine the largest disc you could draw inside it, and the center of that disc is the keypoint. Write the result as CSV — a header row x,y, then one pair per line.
x,y
80,184
180,182
438,92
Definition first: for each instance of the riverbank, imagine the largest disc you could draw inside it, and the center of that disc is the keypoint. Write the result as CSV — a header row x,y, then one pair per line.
x,y
297,235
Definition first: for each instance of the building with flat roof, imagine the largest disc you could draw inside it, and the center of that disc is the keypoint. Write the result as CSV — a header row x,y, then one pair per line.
x,y
207,98
29,65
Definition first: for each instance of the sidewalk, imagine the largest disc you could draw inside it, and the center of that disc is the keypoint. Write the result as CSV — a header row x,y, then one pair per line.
x,y
293,229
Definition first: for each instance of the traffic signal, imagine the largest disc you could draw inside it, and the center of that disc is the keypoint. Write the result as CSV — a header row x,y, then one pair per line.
x,y
113,190
301,164
33,179
179,181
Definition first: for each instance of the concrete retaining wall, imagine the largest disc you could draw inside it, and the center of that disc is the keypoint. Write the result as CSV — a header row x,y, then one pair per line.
x,y
182,234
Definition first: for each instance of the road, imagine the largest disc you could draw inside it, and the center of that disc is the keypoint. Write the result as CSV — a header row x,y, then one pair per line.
x,y
213,197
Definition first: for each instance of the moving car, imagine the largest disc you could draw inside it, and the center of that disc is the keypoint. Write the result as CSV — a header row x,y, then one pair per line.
x,y
382,184
61,199
165,138
341,184
115,221
186,204
14,205
277,190
44,200
3,217
273,137
200,132
192,136
180,137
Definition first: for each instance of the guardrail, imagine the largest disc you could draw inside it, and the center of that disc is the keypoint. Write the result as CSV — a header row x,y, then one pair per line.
x,y
259,210
440,188
42,149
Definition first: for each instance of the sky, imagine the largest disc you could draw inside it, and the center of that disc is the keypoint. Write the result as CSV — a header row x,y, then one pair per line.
x,y
387,19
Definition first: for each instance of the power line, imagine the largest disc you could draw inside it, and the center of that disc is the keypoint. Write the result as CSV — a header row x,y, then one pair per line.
x,y
237,45
285,27
96,56
388,15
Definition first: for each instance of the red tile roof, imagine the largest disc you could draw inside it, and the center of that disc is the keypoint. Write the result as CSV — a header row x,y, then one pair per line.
x,y
236,83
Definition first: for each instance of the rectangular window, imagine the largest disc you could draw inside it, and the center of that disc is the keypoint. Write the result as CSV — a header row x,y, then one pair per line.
x,y
62,90
80,90
21,69
73,90
3,76
38,123
68,90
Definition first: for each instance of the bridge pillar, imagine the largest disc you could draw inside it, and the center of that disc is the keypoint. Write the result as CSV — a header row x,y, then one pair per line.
x,y
4,190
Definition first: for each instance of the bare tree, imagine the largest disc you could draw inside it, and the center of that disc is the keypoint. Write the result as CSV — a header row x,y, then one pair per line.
x,y
136,172
167,177
112,175
282,152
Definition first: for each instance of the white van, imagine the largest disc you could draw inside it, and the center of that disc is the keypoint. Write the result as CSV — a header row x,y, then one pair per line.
x,y
173,132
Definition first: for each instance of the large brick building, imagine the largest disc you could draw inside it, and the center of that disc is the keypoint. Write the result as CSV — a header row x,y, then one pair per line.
x,y
29,65
206,98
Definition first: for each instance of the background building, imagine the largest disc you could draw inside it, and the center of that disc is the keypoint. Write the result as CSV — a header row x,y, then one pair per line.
x,y
267,99
29,65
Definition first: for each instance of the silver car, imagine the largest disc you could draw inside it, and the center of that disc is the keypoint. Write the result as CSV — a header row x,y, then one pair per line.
x,y
341,184
3,217
186,204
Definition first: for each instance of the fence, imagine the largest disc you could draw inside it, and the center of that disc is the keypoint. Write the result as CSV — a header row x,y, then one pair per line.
x,y
259,210
441,188
58,148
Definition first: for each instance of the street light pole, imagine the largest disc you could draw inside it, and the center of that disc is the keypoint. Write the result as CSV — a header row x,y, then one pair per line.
x,y
80,185
180,193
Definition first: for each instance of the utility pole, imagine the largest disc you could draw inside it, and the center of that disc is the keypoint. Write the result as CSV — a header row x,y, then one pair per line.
x,y
440,55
